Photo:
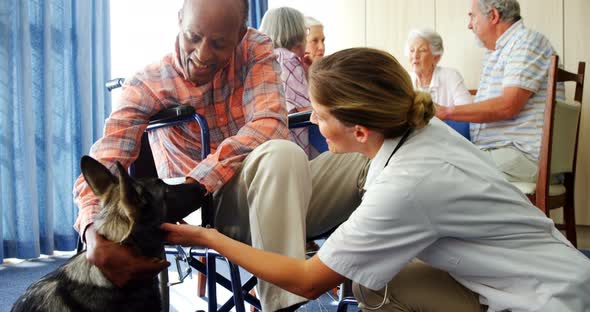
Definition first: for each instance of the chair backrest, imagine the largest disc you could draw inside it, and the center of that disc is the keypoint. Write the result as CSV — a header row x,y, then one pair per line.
x,y
462,127
559,141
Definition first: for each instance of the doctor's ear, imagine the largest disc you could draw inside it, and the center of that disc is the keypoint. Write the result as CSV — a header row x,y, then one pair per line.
x,y
361,133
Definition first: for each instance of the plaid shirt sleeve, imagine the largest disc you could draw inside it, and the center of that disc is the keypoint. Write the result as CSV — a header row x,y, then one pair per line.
x,y
258,104
263,105
120,142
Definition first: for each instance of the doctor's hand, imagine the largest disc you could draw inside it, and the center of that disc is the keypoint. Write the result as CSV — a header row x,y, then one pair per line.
x,y
187,235
118,262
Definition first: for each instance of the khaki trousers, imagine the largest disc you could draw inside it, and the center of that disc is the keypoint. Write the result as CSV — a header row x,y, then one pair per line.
x,y
279,198
420,287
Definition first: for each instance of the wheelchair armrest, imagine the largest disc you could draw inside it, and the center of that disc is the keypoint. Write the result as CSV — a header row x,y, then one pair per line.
x,y
179,114
299,119
462,127
172,114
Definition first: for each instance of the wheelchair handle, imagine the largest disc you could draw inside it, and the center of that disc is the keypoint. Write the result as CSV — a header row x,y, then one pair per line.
x,y
114,83
299,119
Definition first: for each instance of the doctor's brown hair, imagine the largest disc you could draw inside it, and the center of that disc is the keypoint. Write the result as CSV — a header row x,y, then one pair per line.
x,y
369,87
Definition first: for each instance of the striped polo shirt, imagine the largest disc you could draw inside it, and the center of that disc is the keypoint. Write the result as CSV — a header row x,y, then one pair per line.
x,y
521,59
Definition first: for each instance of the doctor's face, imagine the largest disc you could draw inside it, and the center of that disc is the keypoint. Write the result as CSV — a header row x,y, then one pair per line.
x,y
339,137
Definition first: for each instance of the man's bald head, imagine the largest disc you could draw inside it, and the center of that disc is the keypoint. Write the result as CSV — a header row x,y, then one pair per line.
x,y
209,32
243,5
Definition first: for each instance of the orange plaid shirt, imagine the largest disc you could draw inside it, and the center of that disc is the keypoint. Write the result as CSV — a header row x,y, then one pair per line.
x,y
244,106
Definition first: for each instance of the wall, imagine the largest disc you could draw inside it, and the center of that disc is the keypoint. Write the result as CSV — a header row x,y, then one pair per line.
x,y
344,20
384,24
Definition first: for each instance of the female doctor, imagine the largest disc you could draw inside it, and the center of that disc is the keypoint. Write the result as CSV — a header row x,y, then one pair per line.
x,y
439,228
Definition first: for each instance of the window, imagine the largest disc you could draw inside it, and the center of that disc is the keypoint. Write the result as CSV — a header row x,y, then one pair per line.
x,y
142,32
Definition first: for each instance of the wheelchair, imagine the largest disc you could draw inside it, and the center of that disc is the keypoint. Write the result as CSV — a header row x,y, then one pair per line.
x,y
203,259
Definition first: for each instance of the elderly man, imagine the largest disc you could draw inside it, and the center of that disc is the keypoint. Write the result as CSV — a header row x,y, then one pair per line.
x,y
261,186
507,114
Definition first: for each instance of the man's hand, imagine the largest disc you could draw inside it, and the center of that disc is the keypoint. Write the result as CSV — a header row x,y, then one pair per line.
x,y
443,112
119,263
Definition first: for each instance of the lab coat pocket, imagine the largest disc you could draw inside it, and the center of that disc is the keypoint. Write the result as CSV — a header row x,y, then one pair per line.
x,y
440,257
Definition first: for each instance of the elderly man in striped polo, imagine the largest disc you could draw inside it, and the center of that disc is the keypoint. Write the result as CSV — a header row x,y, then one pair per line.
x,y
507,114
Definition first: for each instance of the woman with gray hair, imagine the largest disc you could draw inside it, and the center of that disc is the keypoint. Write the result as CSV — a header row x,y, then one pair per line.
x,y
424,47
286,28
315,47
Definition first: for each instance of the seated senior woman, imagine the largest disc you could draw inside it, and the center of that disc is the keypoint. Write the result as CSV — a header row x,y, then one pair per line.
x,y
438,229
315,46
286,28
424,48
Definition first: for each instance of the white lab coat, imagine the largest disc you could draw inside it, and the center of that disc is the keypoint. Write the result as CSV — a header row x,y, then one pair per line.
x,y
440,199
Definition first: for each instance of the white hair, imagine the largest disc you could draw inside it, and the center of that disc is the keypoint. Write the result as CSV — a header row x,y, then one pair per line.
x,y
285,26
509,10
310,22
431,36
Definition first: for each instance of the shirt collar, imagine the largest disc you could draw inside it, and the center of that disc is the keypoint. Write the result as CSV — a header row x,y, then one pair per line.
x,y
379,161
177,64
286,53
433,80
503,39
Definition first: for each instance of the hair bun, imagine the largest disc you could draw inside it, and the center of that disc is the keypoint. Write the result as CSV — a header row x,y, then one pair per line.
x,y
421,111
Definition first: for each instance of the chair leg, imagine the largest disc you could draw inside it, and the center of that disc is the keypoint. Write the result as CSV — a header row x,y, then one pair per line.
x,y
569,220
164,289
253,293
211,283
346,296
201,281
236,283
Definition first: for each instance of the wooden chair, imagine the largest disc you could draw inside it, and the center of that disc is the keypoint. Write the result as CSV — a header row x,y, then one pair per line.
x,y
559,143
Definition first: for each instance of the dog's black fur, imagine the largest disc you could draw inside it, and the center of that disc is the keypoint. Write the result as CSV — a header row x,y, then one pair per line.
x,y
131,213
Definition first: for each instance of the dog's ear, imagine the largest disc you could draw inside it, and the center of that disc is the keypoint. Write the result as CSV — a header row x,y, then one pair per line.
x,y
98,177
129,195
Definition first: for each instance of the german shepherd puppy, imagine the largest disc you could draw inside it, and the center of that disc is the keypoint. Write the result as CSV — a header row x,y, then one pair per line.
x,y
131,213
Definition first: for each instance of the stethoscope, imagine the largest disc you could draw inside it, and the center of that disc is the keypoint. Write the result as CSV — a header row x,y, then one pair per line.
x,y
399,144
385,298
